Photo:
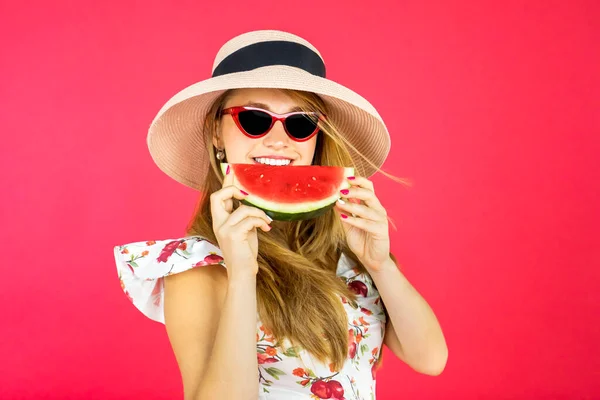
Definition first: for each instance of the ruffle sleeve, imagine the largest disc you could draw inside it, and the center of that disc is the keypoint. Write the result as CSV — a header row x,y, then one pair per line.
x,y
142,265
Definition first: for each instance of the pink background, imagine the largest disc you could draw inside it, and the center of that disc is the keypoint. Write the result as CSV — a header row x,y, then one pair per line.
x,y
494,114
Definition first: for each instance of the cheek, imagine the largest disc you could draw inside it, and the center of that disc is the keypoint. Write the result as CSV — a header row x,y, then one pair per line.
x,y
309,151
237,145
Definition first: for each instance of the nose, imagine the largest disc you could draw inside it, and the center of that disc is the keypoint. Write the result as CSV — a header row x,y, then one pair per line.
x,y
277,137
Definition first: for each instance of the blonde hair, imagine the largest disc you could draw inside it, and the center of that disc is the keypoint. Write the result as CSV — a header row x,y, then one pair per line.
x,y
298,261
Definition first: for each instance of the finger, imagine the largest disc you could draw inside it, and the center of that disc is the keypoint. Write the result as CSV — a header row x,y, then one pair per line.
x,y
366,225
228,178
366,195
221,204
249,223
244,211
363,182
359,210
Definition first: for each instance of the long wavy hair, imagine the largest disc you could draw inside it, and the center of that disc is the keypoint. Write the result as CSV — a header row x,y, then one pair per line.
x,y
297,287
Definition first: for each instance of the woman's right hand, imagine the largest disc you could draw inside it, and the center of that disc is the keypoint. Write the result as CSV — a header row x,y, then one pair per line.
x,y
236,230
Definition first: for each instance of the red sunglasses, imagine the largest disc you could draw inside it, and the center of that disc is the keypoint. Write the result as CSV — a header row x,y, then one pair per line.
x,y
256,122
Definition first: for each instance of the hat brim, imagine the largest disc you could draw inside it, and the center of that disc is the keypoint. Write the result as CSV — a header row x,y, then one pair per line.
x,y
175,138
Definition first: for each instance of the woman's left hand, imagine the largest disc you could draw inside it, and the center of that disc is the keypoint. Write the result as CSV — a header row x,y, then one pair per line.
x,y
367,232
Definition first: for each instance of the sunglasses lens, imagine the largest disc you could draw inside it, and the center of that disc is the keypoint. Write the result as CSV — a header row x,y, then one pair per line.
x,y
301,126
254,122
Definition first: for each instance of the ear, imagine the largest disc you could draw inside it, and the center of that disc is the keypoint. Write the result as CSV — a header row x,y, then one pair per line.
x,y
215,141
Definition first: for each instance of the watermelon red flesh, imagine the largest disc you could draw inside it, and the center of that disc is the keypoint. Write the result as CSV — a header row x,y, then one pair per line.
x,y
289,184
290,193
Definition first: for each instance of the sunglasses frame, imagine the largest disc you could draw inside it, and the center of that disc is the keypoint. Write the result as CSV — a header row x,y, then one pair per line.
x,y
234,111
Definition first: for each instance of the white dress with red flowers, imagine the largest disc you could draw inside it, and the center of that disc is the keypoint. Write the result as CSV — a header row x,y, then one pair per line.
x,y
284,372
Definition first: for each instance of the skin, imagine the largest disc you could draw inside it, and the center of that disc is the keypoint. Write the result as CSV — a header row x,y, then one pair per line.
x,y
418,339
242,149
210,312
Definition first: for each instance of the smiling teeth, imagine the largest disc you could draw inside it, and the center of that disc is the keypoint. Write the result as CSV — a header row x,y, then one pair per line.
x,y
270,161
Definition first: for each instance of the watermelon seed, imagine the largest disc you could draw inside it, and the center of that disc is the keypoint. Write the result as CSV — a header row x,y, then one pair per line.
x,y
261,175
314,179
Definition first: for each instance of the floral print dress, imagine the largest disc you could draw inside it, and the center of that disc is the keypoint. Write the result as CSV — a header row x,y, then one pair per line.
x,y
285,372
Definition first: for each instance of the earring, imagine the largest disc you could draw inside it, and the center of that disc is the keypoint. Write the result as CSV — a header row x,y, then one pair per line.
x,y
220,155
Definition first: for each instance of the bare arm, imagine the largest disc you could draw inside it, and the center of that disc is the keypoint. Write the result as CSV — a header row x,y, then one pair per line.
x,y
413,332
211,314
211,323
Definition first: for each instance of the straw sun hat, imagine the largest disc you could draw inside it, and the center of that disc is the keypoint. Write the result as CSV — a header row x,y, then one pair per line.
x,y
260,59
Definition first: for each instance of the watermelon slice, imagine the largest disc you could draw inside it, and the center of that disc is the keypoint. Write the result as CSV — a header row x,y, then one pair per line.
x,y
290,193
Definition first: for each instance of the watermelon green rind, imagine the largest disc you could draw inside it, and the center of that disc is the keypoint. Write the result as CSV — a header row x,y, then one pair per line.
x,y
282,216
294,211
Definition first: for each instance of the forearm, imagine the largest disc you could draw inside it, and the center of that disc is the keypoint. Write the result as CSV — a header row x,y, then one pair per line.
x,y
232,371
416,326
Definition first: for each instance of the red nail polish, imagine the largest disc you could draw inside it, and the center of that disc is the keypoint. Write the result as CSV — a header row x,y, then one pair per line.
x,y
351,178
227,171
344,191
246,194
343,216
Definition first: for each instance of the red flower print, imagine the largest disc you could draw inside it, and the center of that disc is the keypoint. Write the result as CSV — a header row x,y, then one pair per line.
x,y
266,330
321,389
150,242
156,291
299,372
351,344
210,259
375,351
158,287
265,359
168,250
366,311
182,246
213,258
304,382
358,338
363,322
337,391
359,288
145,253
271,351
352,349
374,370
125,251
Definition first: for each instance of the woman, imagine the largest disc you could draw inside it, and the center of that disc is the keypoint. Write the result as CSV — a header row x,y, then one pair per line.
x,y
262,309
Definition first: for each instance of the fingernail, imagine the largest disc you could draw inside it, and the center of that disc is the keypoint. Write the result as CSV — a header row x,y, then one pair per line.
x,y
270,219
227,172
343,216
351,178
244,193
344,191
341,201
